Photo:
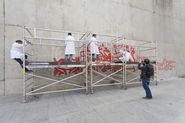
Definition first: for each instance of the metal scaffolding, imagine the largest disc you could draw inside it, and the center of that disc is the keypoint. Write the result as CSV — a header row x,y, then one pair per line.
x,y
122,73
87,74
41,61
106,78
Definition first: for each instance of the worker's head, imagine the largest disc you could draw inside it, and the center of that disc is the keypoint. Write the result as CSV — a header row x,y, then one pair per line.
x,y
19,41
69,33
94,35
126,48
146,61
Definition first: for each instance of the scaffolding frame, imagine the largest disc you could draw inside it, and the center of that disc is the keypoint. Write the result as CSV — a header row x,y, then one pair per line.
x,y
88,68
104,76
125,66
37,90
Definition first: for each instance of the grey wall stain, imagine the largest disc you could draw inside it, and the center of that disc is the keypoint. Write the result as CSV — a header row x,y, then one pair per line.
x,y
164,4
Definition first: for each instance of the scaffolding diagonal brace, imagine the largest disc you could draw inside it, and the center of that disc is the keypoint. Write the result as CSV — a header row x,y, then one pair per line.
x,y
105,76
60,81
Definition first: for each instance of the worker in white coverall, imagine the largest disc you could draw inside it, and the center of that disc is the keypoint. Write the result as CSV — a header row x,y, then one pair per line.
x,y
126,56
94,48
70,48
17,53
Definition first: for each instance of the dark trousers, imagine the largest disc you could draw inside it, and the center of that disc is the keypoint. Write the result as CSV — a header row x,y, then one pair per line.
x,y
21,62
146,87
95,56
68,57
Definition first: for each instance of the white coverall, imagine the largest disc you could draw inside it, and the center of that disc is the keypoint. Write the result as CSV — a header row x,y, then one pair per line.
x,y
17,51
94,46
126,56
17,54
70,45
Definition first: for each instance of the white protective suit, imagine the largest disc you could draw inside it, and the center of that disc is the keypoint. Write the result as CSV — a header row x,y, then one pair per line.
x,y
94,46
16,51
70,45
126,56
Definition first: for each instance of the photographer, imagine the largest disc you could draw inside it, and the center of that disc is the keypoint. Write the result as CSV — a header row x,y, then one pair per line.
x,y
147,72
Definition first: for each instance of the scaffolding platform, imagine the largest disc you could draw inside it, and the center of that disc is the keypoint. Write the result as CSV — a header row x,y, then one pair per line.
x,y
84,74
44,64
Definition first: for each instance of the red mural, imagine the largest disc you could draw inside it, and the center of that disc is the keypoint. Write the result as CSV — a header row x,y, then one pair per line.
x,y
58,71
166,65
105,56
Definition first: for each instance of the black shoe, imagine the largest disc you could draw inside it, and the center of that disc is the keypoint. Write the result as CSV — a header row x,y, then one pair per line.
x,y
144,97
150,97
28,71
112,82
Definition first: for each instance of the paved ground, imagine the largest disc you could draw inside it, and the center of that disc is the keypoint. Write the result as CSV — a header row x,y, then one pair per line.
x,y
106,106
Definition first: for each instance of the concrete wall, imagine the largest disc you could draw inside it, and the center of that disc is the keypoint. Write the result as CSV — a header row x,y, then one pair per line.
x,y
159,20
1,50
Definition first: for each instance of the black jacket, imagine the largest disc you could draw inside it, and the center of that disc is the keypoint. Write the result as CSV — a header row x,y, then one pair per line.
x,y
143,68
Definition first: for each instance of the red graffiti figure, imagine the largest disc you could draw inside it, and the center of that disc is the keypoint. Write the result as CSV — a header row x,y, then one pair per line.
x,y
166,65
105,54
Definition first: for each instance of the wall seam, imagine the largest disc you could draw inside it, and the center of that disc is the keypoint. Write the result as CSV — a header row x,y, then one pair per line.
x,y
4,37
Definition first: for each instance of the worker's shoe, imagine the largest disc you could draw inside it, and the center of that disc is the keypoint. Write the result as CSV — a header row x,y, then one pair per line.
x,y
28,71
150,97
112,81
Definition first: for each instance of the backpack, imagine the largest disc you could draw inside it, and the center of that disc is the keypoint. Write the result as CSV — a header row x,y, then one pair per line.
x,y
149,70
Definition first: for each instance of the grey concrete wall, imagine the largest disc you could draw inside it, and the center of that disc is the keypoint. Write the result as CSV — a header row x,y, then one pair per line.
x,y
158,20
170,20
1,50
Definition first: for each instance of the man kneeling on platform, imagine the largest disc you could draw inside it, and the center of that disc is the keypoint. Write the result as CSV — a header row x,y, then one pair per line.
x,y
123,56
126,56
17,53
